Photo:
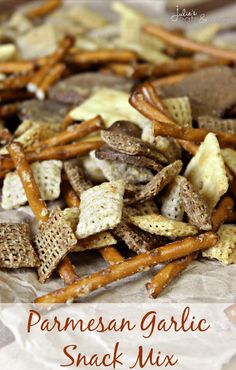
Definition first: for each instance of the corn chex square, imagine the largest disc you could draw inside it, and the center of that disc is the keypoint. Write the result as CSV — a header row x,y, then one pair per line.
x,y
225,249
47,175
100,208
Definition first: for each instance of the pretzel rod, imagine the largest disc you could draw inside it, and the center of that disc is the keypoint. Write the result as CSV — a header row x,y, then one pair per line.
x,y
167,274
169,80
142,70
53,76
189,146
191,134
57,152
186,44
222,212
22,66
37,205
43,9
15,82
103,56
13,95
143,261
73,133
151,96
171,270
8,110
138,101
24,171
53,59
109,254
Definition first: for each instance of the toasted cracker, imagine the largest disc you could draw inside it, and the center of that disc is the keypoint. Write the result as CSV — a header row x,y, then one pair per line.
x,y
112,105
15,247
101,208
77,177
194,205
114,170
47,175
136,239
215,124
159,181
206,171
229,156
180,109
131,145
225,249
172,206
87,17
100,240
7,52
54,240
160,225
138,161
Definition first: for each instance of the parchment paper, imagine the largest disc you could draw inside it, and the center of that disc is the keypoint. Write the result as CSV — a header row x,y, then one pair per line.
x,y
204,281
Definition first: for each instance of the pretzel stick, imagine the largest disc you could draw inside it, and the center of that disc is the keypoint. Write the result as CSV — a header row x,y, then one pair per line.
x,y
167,274
189,146
43,9
119,69
21,66
53,59
186,44
222,212
143,261
173,269
170,80
15,82
110,254
191,134
183,65
74,132
37,205
103,56
24,171
8,110
54,75
138,101
13,95
57,152
152,97
68,120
